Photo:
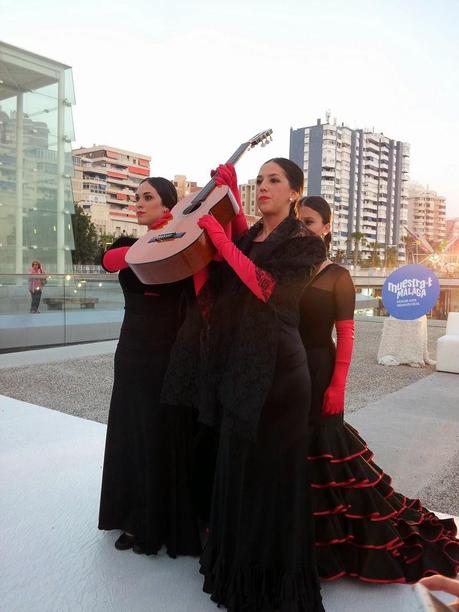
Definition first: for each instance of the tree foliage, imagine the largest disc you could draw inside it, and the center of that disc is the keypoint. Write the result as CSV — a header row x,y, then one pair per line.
x,y
86,238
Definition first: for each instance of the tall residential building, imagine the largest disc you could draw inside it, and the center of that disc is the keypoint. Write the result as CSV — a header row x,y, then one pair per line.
x,y
363,175
426,212
36,131
105,182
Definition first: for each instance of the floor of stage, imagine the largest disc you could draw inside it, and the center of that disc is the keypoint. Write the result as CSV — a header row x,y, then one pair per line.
x,y
56,560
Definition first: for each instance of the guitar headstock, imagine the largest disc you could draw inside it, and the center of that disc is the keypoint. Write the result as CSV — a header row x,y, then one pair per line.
x,y
263,138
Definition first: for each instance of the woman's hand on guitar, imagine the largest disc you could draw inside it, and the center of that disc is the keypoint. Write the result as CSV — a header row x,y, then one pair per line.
x,y
225,174
214,230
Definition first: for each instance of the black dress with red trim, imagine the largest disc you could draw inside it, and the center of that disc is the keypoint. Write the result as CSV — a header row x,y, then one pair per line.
x,y
364,529
147,486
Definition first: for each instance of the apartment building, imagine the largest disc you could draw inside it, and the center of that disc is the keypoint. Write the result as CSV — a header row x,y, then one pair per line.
x,y
105,182
247,191
363,175
426,212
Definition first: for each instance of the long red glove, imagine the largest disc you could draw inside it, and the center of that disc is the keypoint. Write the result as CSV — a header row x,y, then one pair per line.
x,y
225,174
114,259
260,283
334,395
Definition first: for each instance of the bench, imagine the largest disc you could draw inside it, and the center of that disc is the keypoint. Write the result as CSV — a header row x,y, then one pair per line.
x,y
58,303
448,346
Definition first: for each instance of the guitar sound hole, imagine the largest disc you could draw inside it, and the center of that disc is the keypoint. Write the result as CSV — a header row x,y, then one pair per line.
x,y
192,207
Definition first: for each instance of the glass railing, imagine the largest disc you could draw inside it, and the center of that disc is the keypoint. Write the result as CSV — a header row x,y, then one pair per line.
x,y
58,309
89,307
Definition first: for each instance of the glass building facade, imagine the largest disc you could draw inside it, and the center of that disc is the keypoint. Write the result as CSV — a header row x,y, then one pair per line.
x,y
36,132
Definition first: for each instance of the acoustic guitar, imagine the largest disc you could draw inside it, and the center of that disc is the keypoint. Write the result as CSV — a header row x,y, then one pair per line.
x,y
182,248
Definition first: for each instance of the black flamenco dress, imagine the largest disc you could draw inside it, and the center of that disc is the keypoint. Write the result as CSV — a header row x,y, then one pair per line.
x,y
364,528
259,556
146,484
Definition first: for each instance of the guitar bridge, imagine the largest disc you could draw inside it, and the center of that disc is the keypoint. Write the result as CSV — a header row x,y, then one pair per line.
x,y
168,236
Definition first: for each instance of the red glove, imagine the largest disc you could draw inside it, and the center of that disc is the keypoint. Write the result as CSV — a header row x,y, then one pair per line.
x,y
225,174
260,283
114,259
334,395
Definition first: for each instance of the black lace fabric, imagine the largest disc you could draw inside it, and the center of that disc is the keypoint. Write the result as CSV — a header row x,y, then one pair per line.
x,y
224,363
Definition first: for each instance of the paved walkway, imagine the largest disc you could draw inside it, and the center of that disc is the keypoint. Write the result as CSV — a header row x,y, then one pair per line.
x,y
414,434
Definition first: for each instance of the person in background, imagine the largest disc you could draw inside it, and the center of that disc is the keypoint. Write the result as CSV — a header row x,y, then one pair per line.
x,y
37,281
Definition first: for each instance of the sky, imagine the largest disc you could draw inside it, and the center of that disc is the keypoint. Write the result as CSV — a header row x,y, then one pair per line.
x,y
187,82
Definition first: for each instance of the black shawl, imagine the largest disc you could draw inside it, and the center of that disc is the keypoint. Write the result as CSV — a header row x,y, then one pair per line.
x,y
224,364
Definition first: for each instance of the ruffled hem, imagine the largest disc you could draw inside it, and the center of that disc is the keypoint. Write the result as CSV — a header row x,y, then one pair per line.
x,y
366,530
258,589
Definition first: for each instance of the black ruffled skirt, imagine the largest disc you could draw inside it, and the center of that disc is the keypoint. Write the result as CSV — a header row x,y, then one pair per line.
x,y
260,553
364,528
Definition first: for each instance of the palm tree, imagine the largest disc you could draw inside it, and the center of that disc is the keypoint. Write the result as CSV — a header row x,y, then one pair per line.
x,y
357,238
392,256
375,256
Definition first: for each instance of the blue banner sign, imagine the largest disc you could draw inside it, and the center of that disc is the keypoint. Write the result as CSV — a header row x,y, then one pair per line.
x,y
410,292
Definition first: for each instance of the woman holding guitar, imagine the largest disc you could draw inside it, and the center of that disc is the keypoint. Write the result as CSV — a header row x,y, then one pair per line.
x,y
253,387
146,484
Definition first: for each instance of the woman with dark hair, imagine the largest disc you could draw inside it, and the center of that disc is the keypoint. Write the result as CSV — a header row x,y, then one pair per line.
x,y
146,482
364,528
253,388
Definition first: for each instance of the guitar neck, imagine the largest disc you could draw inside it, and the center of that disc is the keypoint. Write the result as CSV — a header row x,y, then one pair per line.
x,y
262,137
235,157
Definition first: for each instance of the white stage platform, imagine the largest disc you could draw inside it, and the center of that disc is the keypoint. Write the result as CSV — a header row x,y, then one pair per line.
x,y
55,559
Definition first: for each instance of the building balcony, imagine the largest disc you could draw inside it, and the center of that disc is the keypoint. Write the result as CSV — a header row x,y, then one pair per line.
x,y
112,174
93,180
96,169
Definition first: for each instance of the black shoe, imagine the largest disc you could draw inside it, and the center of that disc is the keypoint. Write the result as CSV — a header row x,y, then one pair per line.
x,y
125,542
138,549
